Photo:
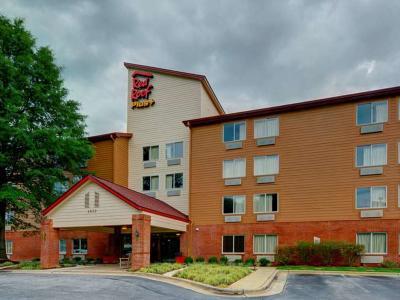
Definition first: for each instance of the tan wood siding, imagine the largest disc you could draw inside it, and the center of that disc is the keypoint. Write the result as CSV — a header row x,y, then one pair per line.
x,y
102,161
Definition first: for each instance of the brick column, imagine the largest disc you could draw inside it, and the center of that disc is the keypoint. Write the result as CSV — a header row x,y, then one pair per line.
x,y
49,252
141,234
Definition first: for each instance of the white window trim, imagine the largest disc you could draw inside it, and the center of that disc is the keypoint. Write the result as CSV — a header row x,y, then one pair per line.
x,y
266,234
59,246
239,122
371,187
372,123
150,153
151,190
373,253
231,214
84,252
263,119
9,242
386,150
223,168
266,174
175,188
266,212
183,150
234,235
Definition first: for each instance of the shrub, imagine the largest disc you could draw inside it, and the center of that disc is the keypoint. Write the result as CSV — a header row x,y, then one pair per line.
x,y
188,260
99,260
264,262
285,255
250,262
199,259
6,264
161,268
212,260
351,253
36,259
29,265
238,261
223,260
390,264
77,259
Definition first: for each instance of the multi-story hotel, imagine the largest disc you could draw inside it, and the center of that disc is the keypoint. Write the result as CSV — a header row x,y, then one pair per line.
x,y
188,179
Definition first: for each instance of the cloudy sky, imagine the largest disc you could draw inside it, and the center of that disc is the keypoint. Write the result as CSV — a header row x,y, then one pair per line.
x,y
254,53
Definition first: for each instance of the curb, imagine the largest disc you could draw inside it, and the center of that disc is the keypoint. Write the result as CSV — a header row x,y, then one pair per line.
x,y
347,273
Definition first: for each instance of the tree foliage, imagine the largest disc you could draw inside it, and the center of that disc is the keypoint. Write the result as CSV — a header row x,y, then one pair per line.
x,y
42,133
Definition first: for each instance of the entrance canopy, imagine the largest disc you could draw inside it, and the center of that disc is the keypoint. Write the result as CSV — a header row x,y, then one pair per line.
x,y
97,202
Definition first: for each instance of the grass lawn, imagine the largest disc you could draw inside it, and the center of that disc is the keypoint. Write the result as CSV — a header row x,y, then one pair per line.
x,y
341,269
214,274
6,264
161,268
29,265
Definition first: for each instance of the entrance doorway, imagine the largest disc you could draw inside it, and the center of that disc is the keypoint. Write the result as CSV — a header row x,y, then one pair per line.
x,y
164,246
126,244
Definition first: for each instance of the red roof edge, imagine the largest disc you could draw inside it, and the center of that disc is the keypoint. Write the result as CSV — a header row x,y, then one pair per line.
x,y
201,78
109,136
386,92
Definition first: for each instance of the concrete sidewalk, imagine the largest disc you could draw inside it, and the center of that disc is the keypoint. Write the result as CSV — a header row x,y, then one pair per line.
x,y
257,280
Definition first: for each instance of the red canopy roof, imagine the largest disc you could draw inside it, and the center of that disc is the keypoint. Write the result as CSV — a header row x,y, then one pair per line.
x,y
135,199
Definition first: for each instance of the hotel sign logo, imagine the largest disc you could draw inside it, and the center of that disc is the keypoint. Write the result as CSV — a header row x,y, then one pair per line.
x,y
141,89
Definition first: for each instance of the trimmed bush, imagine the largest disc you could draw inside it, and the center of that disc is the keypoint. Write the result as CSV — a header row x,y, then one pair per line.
x,y
264,262
29,265
390,264
238,262
188,260
212,260
223,260
161,268
199,259
250,262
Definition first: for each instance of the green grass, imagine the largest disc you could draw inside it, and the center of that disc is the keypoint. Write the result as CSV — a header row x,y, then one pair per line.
x,y
161,268
29,265
213,274
341,269
6,264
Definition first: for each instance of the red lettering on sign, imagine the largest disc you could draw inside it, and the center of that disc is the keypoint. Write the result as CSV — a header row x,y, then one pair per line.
x,y
141,87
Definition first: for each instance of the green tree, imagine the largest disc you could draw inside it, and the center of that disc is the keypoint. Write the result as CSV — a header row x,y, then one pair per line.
x,y
42,133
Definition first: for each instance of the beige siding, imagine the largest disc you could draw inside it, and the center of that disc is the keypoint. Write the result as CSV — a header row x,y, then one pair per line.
x,y
207,106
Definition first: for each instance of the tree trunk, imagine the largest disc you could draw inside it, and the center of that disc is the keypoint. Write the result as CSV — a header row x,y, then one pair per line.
x,y
3,255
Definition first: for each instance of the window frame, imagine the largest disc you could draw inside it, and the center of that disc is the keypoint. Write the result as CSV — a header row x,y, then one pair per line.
x,y
152,146
369,166
234,159
173,181
234,213
266,174
9,245
373,123
59,246
174,143
234,124
265,120
84,252
371,233
150,176
370,200
266,234
271,212
233,243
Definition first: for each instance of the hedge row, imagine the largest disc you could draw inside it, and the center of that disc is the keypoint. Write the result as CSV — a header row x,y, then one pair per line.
x,y
329,253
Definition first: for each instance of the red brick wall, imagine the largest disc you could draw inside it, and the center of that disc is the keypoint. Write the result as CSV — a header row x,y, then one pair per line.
x,y
26,244
207,240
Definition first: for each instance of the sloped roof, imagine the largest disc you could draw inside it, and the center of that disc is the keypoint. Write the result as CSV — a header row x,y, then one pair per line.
x,y
135,199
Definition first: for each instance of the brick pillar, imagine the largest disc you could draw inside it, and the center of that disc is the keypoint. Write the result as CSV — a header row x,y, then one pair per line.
x,y
141,234
49,252
184,242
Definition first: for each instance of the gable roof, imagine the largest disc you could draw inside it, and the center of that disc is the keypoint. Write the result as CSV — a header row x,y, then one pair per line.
x,y
375,94
135,199
201,78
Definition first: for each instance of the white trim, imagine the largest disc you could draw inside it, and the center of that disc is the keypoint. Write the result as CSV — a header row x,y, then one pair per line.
x,y
265,174
371,232
183,149
81,251
233,159
372,123
236,122
234,235
265,234
371,187
264,119
367,166
9,244
266,212
174,188
232,214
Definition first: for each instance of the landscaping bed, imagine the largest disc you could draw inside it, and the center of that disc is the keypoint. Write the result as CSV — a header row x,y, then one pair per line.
x,y
161,268
340,269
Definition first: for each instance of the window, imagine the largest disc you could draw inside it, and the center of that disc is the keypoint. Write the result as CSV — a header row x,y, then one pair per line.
x,y
234,204
150,183
174,181
9,217
233,244
374,242
371,155
79,246
266,128
87,200
371,197
265,203
234,168
266,165
62,246
174,150
372,113
96,200
264,244
150,153
234,132
9,247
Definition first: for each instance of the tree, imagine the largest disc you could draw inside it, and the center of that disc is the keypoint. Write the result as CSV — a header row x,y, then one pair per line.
x,y
42,133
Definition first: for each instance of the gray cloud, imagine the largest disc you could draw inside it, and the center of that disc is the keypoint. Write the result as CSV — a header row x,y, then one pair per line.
x,y
254,53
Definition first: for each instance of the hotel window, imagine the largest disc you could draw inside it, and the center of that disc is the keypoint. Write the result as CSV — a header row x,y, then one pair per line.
x,y
62,246
234,132
96,200
373,242
234,168
174,181
233,244
266,165
9,217
371,155
150,183
87,200
9,247
174,150
265,203
150,153
372,113
371,197
266,128
80,246
234,205
264,244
